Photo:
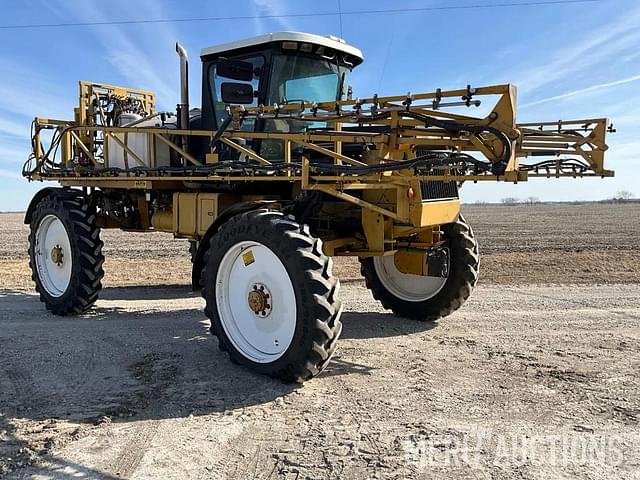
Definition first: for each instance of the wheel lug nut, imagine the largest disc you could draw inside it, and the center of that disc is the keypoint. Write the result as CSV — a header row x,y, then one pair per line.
x,y
257,299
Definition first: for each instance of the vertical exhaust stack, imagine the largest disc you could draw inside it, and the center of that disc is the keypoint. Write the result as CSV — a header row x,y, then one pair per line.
x,y
183,106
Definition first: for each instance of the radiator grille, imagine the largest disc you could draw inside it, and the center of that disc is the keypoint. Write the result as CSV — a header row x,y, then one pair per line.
x,y
436,190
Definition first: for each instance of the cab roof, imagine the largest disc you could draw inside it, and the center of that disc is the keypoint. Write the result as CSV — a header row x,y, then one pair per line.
x,y
328,41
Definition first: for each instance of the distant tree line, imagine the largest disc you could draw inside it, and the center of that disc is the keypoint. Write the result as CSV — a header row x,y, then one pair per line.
x,y
621,196
515,200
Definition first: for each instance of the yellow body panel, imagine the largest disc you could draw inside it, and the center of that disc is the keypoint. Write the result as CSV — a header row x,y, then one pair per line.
x,y
192,213
431,213
413,263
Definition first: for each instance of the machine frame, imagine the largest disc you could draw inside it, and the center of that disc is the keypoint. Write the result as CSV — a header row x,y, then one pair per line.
x,y
375,178
385,216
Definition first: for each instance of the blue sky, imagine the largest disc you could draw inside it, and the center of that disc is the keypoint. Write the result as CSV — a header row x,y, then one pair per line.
x,y
568,61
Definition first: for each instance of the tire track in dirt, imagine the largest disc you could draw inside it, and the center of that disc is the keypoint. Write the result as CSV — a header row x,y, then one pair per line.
x,y
21,382
156,373
135,449
579,303
15,452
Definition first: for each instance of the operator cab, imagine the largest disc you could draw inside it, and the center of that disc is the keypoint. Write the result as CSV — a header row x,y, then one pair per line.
x,y
285,67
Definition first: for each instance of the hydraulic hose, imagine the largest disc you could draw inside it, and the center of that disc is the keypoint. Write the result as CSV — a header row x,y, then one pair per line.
x,y
498,167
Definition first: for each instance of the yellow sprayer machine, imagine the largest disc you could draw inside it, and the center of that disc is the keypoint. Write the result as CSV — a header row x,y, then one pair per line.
x,y
281,169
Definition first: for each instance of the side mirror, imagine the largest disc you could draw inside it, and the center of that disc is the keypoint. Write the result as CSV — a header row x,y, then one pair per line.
x,y
235,70
236,92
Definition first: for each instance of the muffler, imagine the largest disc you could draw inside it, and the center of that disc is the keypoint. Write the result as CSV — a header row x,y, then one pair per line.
x,y
183,106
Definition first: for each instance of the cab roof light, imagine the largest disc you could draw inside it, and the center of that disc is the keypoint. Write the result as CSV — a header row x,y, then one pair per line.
x,y
336,39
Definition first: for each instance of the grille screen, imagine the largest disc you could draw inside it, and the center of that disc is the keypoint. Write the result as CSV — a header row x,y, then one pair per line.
x,y
435,190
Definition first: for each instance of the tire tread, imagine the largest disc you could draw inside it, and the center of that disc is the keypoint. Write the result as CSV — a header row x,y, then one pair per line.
x,y
316,280
85,283
464,277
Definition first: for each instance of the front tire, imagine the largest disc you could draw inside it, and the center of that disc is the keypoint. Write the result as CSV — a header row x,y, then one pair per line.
x,y
271,296
65,254
427,298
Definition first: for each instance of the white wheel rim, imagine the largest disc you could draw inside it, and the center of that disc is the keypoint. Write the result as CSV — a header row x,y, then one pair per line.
x,y
53,256
405,286
265,336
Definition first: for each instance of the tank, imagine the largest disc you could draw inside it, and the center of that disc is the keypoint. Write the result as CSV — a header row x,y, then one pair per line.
x,y
140,143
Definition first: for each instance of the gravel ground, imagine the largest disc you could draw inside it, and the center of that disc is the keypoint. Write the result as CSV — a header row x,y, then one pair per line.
x,y
532,382
535,377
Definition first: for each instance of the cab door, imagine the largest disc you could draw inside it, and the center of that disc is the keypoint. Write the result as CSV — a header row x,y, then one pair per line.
x,y
216,79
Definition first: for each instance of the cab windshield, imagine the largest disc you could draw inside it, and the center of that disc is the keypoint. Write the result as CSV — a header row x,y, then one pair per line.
x,y
296,78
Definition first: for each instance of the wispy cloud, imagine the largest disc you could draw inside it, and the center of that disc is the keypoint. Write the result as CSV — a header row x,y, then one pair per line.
x,y
583,91
11,153
13,127
10,174
141,55
270,7
24,92
597,46
14,148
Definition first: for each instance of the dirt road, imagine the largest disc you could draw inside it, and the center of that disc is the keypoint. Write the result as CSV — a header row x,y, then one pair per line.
x,y
537,376
523,382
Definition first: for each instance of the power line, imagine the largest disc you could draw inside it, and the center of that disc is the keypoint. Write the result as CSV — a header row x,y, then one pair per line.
x,y
295,15
386,58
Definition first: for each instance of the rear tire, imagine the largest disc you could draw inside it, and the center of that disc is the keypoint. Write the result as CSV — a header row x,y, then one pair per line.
x,y
439,299
271,296
65,254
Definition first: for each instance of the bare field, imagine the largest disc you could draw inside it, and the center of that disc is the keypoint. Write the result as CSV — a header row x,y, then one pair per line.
x,y
535,377
539,244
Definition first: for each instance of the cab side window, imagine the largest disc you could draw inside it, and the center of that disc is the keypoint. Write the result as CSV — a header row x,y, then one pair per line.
x,y
217,81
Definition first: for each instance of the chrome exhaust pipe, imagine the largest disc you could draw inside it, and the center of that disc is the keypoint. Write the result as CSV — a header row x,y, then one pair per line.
x,y
183,106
